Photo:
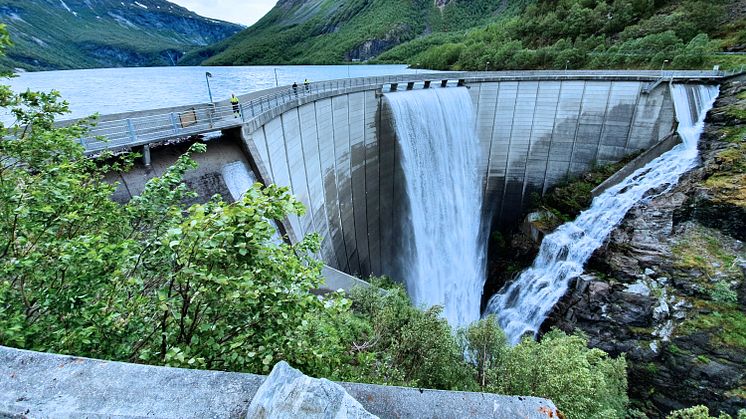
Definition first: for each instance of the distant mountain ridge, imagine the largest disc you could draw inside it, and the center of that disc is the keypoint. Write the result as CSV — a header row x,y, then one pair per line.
x,y
333,31
66,34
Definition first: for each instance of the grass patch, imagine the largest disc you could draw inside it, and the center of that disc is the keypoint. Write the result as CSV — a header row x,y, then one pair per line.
x,y
726,62
734,134
739,392
701,248
725,327
728,183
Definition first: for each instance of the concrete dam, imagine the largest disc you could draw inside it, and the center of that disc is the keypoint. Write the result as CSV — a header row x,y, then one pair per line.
x,y
338,151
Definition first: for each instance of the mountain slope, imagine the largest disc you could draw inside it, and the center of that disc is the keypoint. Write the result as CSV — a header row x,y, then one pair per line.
x,y
333,31
65,34
551,34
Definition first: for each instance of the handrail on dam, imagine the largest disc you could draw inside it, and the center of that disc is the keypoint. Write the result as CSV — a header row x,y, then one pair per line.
x,y
120,131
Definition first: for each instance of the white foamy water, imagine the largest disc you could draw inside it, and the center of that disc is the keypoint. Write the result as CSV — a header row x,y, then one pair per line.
x,y
444,259
238,178
522,305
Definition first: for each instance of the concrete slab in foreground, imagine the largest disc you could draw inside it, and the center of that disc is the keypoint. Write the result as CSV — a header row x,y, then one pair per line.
x,y
39,385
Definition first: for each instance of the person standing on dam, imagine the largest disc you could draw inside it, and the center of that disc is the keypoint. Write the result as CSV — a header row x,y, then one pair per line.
x,y
295,88
236,108
307,85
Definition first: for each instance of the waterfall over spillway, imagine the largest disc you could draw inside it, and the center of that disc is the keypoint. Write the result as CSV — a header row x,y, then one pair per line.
x,y
238,178
522,305
443,259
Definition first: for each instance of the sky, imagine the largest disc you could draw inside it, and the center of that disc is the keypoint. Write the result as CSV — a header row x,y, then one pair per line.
x,y
245,12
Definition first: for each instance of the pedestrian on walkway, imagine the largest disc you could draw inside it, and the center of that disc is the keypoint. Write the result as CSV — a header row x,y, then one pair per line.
x,y
307,85
295,88
236,108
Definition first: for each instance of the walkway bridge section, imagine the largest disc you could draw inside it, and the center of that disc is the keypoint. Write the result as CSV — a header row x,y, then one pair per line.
x,y
333,144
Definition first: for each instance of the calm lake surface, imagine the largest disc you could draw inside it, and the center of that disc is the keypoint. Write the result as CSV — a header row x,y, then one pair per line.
x,y
114,90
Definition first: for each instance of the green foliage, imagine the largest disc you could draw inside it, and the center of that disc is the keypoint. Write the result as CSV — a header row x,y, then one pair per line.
x,y
571,196
588,34
726,326
697,412
721,292
412,347
152,280
407,346
486,346
582,382
331,32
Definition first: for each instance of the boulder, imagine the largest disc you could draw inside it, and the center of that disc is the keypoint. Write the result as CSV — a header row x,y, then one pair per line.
x,y
287,394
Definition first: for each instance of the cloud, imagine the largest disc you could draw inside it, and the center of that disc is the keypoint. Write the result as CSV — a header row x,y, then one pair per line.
x,y
245,12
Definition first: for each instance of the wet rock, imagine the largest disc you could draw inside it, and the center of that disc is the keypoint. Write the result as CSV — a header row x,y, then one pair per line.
x,y
639,288
538,224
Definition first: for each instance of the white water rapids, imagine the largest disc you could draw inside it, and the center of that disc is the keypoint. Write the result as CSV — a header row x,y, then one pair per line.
x,y
444,259
522,305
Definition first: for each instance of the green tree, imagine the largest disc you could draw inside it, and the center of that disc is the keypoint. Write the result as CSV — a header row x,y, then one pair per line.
x,y
582,382
153,280
700,412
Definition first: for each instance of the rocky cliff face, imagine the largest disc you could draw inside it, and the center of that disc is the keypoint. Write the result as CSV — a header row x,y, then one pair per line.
x,y
61,34
669,289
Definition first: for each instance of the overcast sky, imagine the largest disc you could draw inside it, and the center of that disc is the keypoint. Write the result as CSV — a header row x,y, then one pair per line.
x,y
244,12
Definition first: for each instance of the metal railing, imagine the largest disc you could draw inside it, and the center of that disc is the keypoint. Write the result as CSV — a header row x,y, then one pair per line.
x,y
138,128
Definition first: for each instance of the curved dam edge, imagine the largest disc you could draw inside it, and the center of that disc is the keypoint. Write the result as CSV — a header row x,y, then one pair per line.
x,y
35,384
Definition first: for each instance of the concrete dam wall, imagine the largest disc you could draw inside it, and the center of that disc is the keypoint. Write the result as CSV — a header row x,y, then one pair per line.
x,y
339,154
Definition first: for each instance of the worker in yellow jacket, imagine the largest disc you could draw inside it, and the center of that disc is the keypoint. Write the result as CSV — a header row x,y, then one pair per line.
x,y
236,108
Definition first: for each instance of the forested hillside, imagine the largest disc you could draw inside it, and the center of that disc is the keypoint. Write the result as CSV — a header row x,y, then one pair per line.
x,y
64,34
333,31
496,35
591,34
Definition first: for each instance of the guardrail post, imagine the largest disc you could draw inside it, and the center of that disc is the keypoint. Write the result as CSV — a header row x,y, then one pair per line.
x,y
146,155
174,124
131,128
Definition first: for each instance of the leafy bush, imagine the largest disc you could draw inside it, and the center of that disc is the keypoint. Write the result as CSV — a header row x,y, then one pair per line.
x,y
150,281
408,346
582,382
701,412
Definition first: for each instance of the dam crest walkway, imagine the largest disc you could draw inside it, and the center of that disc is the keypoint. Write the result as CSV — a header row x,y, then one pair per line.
x,y
140,128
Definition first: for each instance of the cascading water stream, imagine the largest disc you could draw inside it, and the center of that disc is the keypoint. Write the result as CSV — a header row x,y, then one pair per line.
x,y
444,259
522,305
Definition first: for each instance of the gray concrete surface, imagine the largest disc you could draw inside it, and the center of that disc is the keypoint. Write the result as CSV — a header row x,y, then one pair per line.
x,y
666,144
39,385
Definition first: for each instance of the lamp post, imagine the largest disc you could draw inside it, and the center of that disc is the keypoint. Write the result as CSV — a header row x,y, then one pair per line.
x,y
417,69
663,65
567,64
276,82
487,66
207,78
